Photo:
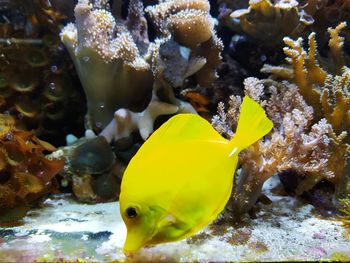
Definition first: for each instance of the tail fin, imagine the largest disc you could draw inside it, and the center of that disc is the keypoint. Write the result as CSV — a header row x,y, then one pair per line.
x,y
252,125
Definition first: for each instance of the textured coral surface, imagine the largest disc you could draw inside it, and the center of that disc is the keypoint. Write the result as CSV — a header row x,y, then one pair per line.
x,y
25,173
36,81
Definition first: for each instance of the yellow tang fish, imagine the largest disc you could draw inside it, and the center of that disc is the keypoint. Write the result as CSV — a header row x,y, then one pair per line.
x,y
182,176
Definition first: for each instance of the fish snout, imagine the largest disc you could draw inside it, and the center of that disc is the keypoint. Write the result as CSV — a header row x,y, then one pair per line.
x,y
134,242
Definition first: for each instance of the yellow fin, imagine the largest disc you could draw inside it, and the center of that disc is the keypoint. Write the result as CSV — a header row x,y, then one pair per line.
x,y
253,124
185,127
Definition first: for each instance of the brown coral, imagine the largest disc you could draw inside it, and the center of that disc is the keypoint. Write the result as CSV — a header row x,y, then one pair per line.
x,y
270,21
327,93
25,173
32,60
327,13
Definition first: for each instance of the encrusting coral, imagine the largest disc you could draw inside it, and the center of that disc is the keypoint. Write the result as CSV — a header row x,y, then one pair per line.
x,y
123,72
25,173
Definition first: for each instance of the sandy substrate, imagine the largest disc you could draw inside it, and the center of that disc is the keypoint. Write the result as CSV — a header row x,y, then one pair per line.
x,y
285,230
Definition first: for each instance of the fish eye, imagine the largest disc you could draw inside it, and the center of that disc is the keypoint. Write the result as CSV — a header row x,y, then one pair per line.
x,y
131,212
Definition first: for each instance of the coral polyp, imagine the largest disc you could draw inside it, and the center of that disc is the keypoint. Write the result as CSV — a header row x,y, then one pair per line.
x,y
106,65
121,69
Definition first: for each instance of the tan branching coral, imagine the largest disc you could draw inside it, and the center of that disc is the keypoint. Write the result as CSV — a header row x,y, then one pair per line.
x,y
270,21
311,122
325,87
296,143
25,173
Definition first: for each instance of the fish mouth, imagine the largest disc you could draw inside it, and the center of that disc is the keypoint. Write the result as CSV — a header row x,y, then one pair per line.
x,y
135,240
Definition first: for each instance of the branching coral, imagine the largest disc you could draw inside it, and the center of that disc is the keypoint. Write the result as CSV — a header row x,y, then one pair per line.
x,y
311,122
270,21
327,93
25,173
326,88
295,144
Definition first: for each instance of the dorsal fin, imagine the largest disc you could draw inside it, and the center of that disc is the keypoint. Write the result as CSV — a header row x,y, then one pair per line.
x,y
184,127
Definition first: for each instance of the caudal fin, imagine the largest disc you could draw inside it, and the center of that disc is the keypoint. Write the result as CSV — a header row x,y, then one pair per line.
x,y
253,124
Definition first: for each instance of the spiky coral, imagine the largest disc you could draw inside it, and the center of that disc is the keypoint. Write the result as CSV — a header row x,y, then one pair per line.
x,y
25,173
312,141
295,144
327,93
